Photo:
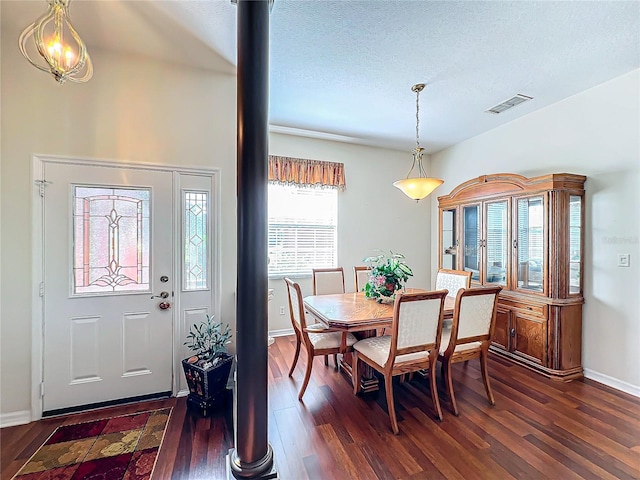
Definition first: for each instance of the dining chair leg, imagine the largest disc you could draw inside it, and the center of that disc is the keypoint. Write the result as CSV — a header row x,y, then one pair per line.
x,y
485,376
449,380
356,373
388,387
326,360
296,355
335,361
434,389
307,374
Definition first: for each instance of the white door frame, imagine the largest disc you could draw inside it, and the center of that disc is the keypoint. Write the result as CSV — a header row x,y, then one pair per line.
x,y
37,254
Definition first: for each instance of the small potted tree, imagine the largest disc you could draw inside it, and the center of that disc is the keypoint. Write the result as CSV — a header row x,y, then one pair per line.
x,y
207,371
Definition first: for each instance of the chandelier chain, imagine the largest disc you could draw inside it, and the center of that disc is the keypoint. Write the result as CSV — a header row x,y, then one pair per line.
x,y
417,118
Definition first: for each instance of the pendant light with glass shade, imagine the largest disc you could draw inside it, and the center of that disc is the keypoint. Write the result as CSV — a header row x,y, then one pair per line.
x,y
418,187
58,44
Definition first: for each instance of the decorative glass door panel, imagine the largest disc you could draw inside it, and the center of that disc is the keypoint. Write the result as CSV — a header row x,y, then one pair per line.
x,y
449,239
497,242
530,243
471,240
575,246
195,240
111,240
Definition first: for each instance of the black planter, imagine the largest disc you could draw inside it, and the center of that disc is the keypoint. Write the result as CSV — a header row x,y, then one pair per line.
x,y
207,387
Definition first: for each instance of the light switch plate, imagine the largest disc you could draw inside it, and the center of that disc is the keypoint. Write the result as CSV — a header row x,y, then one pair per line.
x,y
623,259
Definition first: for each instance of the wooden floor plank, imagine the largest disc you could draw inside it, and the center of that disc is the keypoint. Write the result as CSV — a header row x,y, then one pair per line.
x,y
538,429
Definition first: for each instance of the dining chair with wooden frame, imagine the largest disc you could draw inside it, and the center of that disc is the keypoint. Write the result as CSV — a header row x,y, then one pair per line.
x,y
452,280
361,277
413,345
317,339
469,337
327,281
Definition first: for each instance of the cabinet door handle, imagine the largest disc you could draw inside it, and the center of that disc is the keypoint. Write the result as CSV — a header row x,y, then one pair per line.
x,y
512,332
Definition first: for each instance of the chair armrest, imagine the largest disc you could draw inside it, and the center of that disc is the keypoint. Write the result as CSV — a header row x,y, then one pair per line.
x,y
316,330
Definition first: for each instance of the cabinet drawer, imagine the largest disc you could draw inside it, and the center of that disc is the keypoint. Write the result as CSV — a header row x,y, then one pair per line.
x,y
528,308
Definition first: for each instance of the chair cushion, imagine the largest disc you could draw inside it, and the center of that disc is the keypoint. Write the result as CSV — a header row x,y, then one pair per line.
x,y
377,349
444,343
330,340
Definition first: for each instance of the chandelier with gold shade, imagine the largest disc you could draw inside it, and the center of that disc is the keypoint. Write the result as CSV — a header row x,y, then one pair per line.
x,y
418,187
62,53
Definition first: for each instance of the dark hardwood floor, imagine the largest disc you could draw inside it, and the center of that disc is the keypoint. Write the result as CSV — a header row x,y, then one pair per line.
x,y
538,429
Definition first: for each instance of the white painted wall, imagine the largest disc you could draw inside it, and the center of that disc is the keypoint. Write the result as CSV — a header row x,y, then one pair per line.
x,y
372,214
595,133
135,110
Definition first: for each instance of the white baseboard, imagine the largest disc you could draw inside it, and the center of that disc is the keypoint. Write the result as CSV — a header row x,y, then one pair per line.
x,y
281,333
613,382
15,418
182,393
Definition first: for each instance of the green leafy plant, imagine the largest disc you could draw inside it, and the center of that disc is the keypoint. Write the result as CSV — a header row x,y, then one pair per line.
x,y
208,339
388,274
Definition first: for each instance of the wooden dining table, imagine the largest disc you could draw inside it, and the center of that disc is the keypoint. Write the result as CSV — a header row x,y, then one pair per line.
x,y
353,312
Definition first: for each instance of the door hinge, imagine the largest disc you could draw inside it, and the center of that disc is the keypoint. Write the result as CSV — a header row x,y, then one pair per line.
x,y
41,389
42,289
41,184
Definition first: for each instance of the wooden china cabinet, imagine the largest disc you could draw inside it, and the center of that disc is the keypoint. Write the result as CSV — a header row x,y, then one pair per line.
x,y
527,235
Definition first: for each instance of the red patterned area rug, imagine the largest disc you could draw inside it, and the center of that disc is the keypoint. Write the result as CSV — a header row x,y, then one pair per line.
x,y
118,448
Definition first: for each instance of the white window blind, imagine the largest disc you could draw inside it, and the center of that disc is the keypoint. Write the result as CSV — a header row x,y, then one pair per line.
x,y
303,225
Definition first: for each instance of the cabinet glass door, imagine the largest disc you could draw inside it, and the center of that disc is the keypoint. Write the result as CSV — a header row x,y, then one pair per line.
x,y
530,243
497,242
575,246
471,240
448,239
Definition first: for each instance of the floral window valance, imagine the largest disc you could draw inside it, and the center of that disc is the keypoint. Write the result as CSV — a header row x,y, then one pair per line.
x,y
298,171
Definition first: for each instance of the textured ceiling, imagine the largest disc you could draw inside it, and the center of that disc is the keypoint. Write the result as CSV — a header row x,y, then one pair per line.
x,y
345,68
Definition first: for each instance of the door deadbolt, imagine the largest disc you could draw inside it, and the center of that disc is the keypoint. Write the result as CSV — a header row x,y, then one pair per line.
x,y
164,279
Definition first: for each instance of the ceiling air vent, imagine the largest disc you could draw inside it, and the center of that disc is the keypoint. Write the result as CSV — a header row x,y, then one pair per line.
x,y
507,104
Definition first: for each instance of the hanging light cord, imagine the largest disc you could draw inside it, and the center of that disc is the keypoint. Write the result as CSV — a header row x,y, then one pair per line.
x,y
417,153
418,119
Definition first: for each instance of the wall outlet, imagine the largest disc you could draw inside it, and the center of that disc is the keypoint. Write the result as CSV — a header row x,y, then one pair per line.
x,y
623,259
281,310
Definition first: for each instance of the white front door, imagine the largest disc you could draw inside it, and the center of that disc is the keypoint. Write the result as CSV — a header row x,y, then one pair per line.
x,y
108,255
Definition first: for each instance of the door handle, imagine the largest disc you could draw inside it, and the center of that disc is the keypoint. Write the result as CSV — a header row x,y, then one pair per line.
x,y
162,295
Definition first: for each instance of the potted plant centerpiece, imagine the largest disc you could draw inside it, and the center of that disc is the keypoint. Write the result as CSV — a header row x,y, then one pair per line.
x,y
388,275
207,371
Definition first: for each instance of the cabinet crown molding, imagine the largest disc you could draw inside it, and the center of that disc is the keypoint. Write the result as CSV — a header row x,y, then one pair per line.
x,y
499,184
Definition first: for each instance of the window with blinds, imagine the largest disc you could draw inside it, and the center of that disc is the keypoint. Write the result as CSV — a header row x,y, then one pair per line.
x,y
303,227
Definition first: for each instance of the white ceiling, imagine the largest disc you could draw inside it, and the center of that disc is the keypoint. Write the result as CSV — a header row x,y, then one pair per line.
x,y
345,68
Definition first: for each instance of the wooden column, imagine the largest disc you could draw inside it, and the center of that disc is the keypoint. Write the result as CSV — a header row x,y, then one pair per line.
x,y
253,456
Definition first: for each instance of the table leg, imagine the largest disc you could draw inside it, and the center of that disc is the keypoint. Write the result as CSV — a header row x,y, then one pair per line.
x,y
369,381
